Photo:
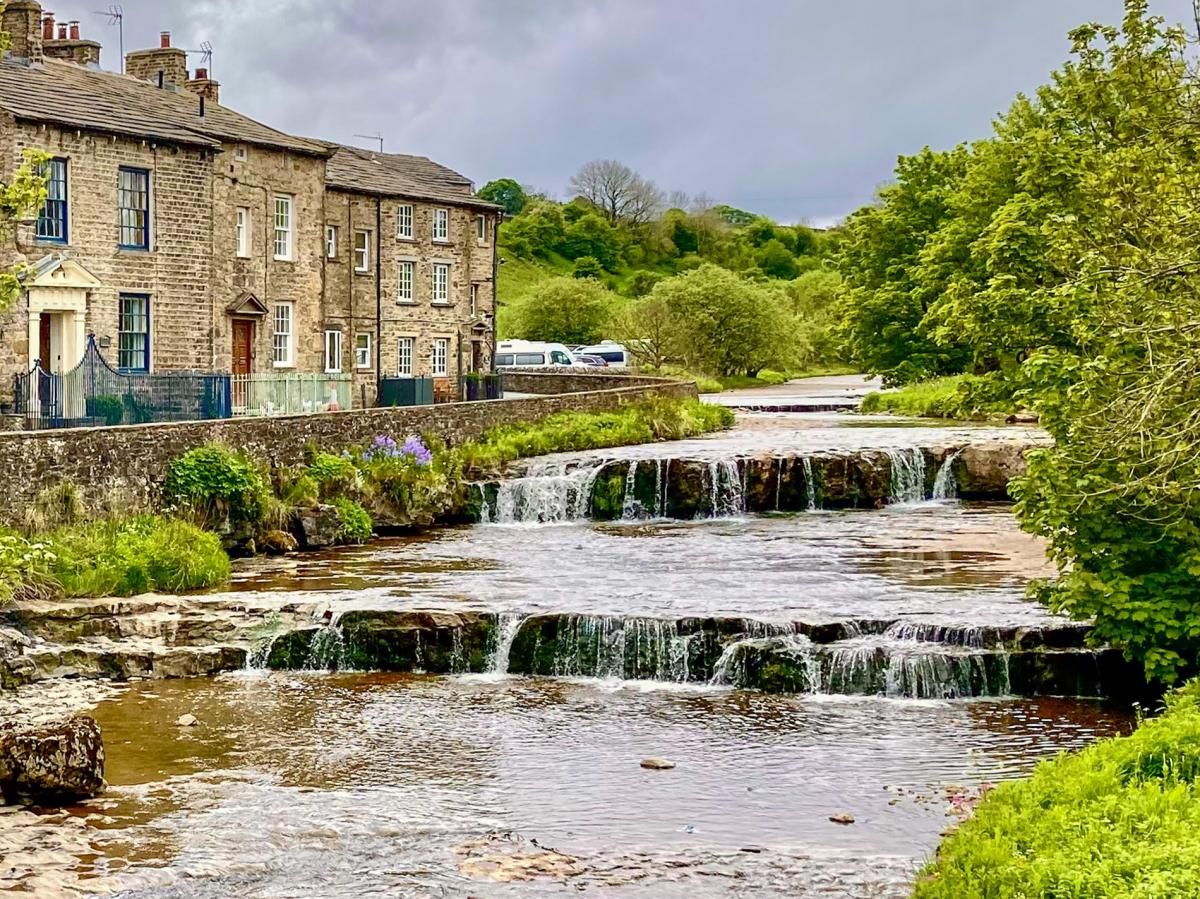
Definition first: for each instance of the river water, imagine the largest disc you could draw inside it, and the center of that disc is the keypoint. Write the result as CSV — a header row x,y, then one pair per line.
x,y
346,785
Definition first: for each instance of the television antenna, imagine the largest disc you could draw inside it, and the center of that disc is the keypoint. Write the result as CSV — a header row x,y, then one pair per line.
x,y
116,16
206,52
378,137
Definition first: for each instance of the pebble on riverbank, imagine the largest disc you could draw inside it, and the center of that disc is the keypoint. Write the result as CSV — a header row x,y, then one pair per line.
x,y
658,764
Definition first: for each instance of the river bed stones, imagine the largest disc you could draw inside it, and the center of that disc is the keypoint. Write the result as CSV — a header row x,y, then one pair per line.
x,y
52,764
657,764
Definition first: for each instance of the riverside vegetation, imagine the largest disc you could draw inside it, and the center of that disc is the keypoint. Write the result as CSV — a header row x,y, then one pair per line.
x,y
217,499
1053,267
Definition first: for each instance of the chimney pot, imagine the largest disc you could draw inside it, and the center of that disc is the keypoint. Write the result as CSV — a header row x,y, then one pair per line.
x,y
165,39
62,31
48,27
74,31
201,74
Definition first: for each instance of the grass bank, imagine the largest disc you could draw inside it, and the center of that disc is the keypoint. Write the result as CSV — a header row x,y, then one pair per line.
x,y
216,499
1119,820
956,396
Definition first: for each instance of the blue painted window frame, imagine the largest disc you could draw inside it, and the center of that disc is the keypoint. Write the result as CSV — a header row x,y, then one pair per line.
x,y
133,208
128,350
53,221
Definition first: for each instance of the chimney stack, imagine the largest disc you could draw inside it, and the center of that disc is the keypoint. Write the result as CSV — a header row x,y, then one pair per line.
x,y
64,42
170,61
22,19
205,87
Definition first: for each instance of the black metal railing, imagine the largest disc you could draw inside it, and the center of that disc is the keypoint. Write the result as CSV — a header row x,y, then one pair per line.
x,y
94,394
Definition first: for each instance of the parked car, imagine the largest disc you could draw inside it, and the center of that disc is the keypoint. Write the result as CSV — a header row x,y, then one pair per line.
x,y
586,359
532,354
614,354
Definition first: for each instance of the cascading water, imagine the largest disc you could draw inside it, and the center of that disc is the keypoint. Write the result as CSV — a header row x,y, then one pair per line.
x,y
810,484
727,489
945,485
908,475
550,492
507,626
631,509
485,511
327,651
661,472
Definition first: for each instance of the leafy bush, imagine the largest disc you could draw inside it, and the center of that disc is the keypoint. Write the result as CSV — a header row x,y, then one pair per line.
x,y
334,475
136,555
108,407
221,488
24,567
1119,819
772,378
587,267
355,521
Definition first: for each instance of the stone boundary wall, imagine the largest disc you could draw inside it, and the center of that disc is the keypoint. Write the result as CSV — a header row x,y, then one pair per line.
x,y
537,380
122,468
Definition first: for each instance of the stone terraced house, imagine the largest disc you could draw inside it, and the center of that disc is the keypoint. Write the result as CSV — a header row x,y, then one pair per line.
x,y
187,237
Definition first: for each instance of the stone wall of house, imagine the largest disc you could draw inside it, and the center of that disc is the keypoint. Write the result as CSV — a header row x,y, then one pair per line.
x,y
121,469
352,302
175,272
252,183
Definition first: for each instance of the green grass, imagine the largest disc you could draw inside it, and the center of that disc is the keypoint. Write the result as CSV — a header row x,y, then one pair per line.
x,y
575,431
954,396
135,555
1119,820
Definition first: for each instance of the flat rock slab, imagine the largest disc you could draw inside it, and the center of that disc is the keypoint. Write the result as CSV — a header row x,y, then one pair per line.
x,y
52,764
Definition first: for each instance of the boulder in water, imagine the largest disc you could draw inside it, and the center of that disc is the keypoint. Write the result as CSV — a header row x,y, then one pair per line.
x,y
843,818
278,543
56,763
187,721
655,764
320,527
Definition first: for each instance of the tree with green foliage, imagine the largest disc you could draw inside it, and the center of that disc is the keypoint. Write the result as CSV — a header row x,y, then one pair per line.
x,y
587,267
882,312
591,235
776,261
642,282
507,193
725,324
566,310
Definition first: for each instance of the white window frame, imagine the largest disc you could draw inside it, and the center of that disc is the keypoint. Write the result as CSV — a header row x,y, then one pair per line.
x,y
288,346
481,229
405,351
333,352
362,255
241,230
362,351
443,344
404,221
241,152
436,270
331,241
440,225
285,227
474,299
406,281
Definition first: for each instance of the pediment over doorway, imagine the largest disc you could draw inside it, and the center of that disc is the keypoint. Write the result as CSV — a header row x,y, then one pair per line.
x,y
57,270
246,304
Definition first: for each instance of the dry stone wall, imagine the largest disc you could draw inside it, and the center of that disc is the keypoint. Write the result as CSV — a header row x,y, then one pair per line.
x,y
122,469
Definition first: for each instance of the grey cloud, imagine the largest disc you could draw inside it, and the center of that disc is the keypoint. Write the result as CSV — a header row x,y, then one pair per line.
x,y
794,108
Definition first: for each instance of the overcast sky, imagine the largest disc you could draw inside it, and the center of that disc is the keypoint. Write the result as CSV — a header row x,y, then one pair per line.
x,y
793,108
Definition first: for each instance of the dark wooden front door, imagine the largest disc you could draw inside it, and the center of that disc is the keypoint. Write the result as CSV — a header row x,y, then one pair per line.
x,y
476,355
243,341
44,342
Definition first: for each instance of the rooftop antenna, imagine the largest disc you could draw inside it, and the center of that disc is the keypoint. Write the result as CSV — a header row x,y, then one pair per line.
x,y
205,52
378,137
116,16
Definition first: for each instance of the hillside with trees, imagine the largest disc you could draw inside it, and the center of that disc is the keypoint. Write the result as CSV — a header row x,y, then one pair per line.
x,y
711,288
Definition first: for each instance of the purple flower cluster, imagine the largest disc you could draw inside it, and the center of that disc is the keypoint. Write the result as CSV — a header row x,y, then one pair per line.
x,y
384,447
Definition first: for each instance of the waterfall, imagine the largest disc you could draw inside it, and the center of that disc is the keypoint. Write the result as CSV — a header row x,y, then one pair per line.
x,y
810,484
260,653
630,507
661,470
908,475
327,651
507,626
485,511
727,492
945,485
778,480
914,668
548,493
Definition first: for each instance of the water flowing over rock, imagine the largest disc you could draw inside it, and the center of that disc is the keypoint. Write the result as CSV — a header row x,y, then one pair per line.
x,y
550,492
908,475
945,485
52,764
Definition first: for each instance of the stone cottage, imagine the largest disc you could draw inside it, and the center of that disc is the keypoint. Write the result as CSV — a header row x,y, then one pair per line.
x,y
186,236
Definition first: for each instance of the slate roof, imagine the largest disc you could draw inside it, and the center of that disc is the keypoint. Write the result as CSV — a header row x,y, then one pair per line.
x,y
397,175
76,96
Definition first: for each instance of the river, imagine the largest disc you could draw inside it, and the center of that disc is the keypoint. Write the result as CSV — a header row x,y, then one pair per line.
x,y
487,783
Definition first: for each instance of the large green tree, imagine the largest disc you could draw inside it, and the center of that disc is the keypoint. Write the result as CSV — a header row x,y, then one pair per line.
x,y
507,193
566,310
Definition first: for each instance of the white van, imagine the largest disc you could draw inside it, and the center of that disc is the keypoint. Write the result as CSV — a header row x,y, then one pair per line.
x,y
611,352
532,354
